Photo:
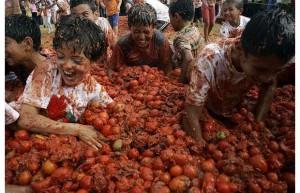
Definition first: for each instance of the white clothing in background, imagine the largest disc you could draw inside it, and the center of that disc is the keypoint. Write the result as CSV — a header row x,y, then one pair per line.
x,y
162,11
227,29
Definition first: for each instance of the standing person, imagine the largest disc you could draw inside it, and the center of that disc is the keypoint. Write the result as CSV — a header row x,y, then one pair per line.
x,y
113,10
12,7
54,8
34,11
187,41
234,22
198,14
23,6
102,10
208,14
47,16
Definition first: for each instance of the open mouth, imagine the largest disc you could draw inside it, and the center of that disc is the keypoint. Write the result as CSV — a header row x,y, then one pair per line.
x,y
69,74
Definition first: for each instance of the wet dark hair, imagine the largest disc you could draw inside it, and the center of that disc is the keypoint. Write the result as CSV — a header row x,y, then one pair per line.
x,y
91,3
80,34
270,33
18,27
185,8
239,4
142,14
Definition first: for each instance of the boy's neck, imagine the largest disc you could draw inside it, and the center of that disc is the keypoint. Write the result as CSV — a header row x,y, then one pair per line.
x,y
184,24
236,23
34,59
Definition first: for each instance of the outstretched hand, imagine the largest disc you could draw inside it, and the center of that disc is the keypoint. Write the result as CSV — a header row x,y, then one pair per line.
x,y
89,135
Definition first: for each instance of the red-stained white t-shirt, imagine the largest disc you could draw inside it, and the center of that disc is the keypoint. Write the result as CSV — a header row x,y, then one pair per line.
x,y
42,84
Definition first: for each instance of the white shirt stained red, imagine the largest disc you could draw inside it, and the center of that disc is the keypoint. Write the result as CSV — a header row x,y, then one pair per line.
x,y
38,91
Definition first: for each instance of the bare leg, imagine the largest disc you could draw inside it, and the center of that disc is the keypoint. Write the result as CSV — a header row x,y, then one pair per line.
x,y
205,32
116,30
209,29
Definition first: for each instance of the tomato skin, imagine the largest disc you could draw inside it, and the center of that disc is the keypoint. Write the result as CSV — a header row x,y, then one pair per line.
x,y
133,153
176,170
208,165
24,178
259,163
62,174
223,187
39,186
22,135
82,191
85,182
146,173
190,171
48,167
180,159
165,177
157,164
179,183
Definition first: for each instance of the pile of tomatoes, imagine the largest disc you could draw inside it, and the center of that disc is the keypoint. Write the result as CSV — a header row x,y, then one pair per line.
x,y
146,149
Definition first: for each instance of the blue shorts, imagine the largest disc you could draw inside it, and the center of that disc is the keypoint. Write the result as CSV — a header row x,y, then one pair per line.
x,y
114,20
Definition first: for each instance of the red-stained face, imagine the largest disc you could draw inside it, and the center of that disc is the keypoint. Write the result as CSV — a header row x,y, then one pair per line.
x,y
142,35
72,66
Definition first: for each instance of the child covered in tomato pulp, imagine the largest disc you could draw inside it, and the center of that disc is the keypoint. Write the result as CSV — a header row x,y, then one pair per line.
x,y
187,41
234,22
63,90
144,45
88,9
22,56
224,71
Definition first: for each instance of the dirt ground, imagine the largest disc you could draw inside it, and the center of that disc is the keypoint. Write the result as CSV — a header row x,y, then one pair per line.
x,y
123,29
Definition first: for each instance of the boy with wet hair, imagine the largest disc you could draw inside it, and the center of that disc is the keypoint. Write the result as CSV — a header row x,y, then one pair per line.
x,y
144,45
187,41
79,43
234,23
22,44
88,9
224,71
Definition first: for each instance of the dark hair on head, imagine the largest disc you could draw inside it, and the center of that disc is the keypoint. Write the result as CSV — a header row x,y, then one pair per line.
x,y
185,8
270,33
142,14
239,4
80,34
18,27
91,3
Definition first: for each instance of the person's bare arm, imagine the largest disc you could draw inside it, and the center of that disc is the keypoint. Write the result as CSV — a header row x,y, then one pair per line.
x,y
119,5
187,62
192,120
265,100
32,120
17,189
